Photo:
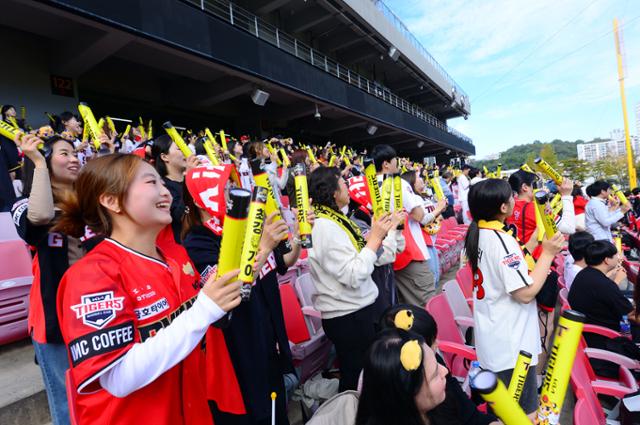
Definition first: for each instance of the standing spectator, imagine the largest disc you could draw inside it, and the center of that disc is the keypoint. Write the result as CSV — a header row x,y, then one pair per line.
x,y
414,280
504,297
463,192
341,263
598,217
579,205
445,182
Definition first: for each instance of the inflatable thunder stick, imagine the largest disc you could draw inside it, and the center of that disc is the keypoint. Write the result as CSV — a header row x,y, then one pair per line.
x,y
618,192
560,363
496,395
262,179
397,196
90,123
519,375
549,170
252,236
302,201
548,220
233,229
177,139
374,188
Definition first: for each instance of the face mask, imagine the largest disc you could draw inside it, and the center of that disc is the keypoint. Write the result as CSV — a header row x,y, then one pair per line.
x,y
345,209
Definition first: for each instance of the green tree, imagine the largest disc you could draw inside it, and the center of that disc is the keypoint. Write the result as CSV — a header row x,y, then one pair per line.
x,y
549,154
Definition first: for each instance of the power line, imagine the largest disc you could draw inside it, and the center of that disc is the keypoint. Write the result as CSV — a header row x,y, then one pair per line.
x,y
528,76
532,52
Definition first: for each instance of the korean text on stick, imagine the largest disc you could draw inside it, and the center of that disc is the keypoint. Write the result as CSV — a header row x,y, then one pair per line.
x,y
374,188
496,395
177,139
397,196
90,123
233,229
302,200
549,170
561,357
253,234
519,375
262,179
548,220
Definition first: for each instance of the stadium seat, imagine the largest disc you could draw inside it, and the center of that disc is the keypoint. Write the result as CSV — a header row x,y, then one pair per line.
x,y
15,282
451,343
309,348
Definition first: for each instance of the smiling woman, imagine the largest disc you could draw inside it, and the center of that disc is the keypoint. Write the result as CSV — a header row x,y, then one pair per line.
x,y
130,315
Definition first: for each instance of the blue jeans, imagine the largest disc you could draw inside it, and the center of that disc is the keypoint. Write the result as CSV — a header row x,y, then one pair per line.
x,y
53,362
434,263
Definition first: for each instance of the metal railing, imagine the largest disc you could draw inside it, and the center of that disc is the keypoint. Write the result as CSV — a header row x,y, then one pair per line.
x,y
400,26
250,23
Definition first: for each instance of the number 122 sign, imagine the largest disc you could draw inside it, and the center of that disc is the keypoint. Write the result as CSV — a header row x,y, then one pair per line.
x,y
61,86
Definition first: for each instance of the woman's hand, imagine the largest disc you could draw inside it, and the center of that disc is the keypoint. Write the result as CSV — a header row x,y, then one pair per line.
x,y
192,162
554,245
397,218
274,231
380,227
28,143
225,291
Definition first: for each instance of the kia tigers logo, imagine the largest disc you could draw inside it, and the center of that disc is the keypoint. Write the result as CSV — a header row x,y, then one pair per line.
x,y
97,310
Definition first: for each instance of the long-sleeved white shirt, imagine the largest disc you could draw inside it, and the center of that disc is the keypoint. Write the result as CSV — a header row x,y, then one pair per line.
x,y
341,274
598,219
567,224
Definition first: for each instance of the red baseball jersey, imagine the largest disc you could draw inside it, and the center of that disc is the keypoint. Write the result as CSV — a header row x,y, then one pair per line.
x,y
109,300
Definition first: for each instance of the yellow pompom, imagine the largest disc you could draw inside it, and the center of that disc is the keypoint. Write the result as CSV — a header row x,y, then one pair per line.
x,y
403,319
411,355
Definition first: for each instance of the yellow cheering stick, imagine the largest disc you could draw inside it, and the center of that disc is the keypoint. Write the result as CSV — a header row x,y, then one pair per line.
x,y
211,153
11,133
519,375
150,129
285,159
126,130
85,133
141,128
437,188
493,391
14,122
397,197
23,112
548,220
210,136
374,189
563,353
302,201
556,204
112,126
617,239
94,130
233,230
499,170
385,192
620,194
261,178
525,167
252,236
549,170
312,157
225,148
177,139
332,161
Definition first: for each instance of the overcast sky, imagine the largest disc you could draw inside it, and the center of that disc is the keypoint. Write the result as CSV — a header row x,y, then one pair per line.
x,y
534,70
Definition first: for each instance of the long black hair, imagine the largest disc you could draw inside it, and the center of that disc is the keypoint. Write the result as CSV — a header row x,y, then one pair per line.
x,y
485,199
323,184
388,389
28,168
160,146
423,323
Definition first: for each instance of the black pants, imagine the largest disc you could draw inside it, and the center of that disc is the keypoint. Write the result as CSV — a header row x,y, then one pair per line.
x,y
351,334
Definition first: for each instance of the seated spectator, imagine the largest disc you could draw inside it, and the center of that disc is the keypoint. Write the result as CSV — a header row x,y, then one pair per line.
x,y
598,216
457,408
596,295
574,263
402,381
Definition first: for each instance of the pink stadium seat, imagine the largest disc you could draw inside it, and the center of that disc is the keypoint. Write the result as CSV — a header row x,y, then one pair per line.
x,y
15,282
450,340
464,279
309,348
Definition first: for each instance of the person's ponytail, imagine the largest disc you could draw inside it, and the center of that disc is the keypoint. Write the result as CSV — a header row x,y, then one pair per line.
x,y
71,221
471,245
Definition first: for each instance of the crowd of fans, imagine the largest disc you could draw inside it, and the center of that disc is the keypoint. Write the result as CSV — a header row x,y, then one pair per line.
x,y
126,231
